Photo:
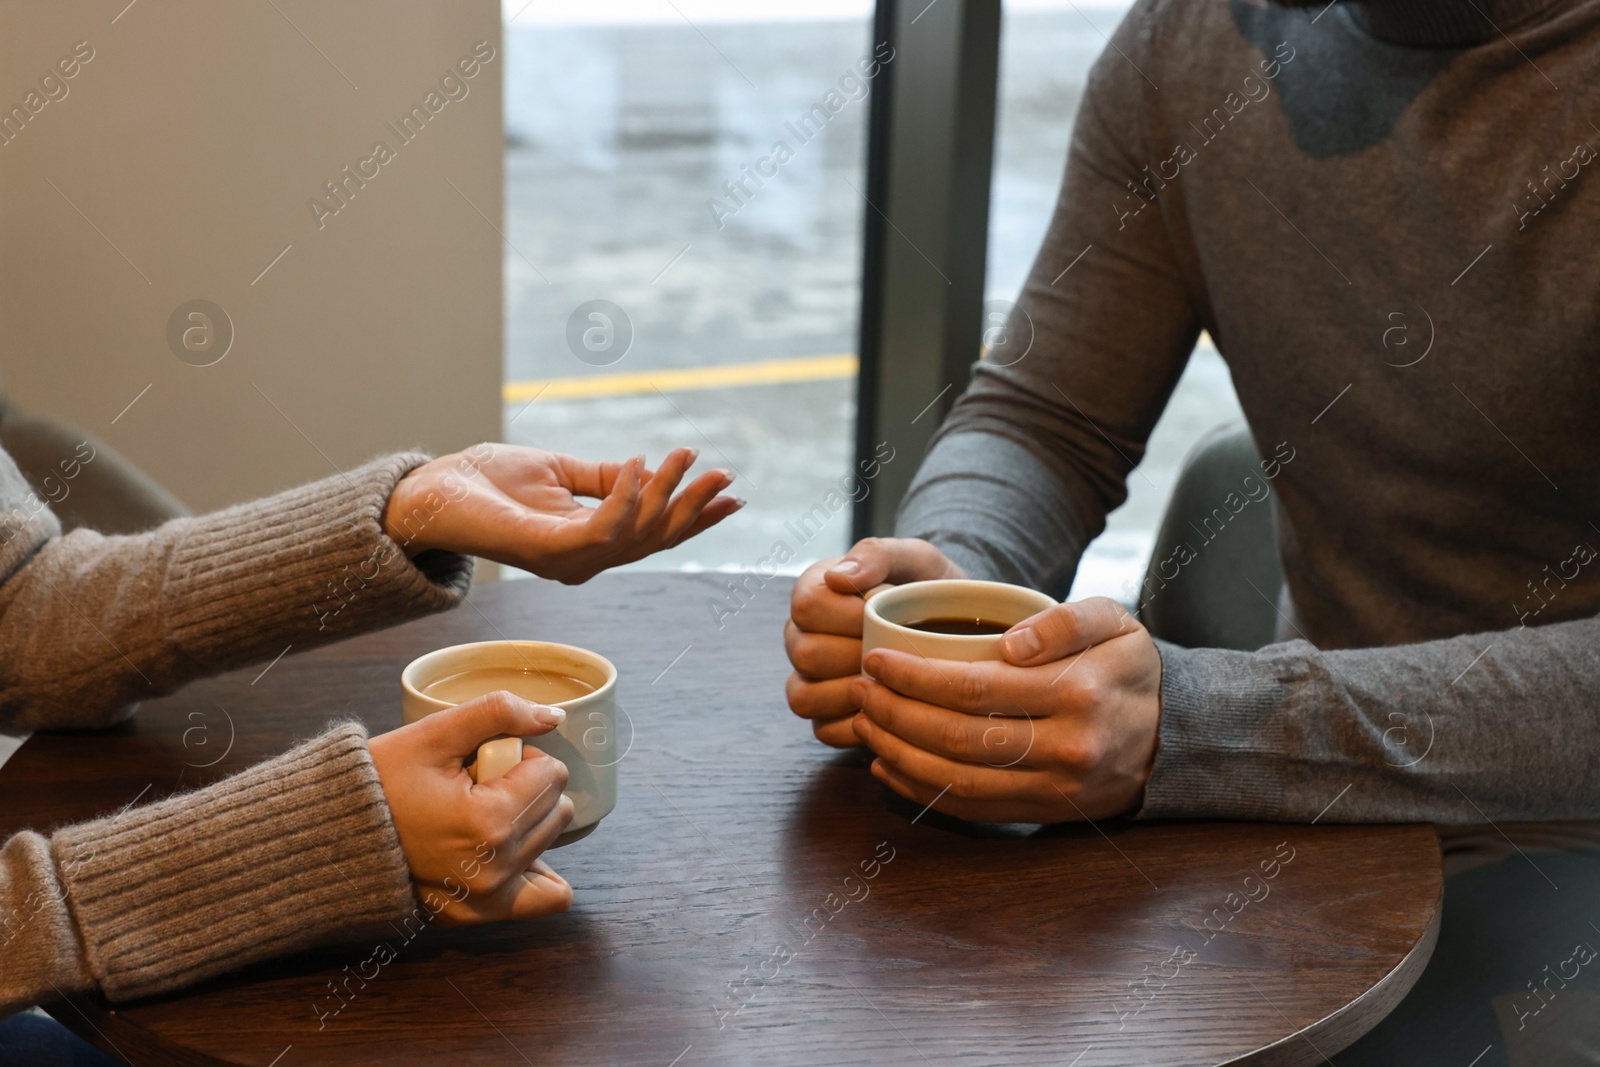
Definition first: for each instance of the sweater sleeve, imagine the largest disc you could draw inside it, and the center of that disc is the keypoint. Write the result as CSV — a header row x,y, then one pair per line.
x,y
91,624
280,857
1034,455
1491,726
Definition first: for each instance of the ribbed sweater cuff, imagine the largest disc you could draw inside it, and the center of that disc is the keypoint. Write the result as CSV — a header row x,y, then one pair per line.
x,y
302,567
40,951
277,858
1221,753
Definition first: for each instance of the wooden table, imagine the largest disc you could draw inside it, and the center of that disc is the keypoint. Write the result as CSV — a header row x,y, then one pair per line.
x,y
757,898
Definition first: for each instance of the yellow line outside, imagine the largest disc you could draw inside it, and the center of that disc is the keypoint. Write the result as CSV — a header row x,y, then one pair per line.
x,y
724,376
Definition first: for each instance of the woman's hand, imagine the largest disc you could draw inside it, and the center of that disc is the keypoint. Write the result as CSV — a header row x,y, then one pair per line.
x,y
474,848
1064,728
823,635
520,506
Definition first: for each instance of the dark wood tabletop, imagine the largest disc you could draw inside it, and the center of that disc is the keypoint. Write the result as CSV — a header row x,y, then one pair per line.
x,y
758,898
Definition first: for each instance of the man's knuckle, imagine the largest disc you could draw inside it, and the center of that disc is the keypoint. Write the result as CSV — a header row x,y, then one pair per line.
x,y
955,735
996,739
804,697
809,657
835,732
1060,623
964,786
810,579
1070,788
1081,752
806,609
793,691
972,690
880,703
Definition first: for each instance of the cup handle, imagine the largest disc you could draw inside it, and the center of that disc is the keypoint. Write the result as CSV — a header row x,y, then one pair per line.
x,y
497,757
875,590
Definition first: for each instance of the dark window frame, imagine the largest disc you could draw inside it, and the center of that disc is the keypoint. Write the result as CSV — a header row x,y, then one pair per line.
x,y
930,156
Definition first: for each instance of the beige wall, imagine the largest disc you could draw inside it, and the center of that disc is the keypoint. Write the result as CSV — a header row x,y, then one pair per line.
x,y
192,142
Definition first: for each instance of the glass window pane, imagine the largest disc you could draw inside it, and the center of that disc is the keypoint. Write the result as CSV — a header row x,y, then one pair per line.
x,y
698,173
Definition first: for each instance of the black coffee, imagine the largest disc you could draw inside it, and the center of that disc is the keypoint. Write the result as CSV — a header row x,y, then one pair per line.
x,y
958,624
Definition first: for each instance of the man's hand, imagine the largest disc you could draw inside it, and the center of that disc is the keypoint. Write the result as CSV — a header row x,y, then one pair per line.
x,y
473,849
823,635
1064,728
520,506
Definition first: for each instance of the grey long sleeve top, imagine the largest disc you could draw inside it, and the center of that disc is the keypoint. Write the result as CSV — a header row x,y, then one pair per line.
x,y
1299,189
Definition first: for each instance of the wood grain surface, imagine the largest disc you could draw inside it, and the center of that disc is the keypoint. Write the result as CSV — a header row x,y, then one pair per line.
x,y
757,898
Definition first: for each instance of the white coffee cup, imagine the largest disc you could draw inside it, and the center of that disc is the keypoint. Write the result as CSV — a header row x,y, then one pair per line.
x,y
890,607
586,742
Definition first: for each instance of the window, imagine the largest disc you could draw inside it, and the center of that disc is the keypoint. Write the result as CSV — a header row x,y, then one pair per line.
x,y
672,277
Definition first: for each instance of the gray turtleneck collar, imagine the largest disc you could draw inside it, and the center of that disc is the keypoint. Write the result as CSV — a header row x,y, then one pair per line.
x,y
1444,23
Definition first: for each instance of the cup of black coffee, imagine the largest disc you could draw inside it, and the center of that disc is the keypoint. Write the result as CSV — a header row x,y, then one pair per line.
x,y
950,618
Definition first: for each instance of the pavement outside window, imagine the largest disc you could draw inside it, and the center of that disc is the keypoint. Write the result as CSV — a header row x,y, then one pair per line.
x,y
645,185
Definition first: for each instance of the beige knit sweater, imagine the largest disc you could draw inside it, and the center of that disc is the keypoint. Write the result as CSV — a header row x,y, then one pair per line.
x,y
280,857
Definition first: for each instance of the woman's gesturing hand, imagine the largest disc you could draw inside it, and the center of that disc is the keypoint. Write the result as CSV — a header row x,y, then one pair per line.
x,y
474,849
521,506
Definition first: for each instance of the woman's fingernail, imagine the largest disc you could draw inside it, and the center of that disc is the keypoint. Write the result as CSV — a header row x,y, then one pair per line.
x,y
846,567
694,454
739,502
1022,644
550,716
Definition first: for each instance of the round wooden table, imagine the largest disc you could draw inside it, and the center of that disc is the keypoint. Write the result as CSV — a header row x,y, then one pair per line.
x,y
758,898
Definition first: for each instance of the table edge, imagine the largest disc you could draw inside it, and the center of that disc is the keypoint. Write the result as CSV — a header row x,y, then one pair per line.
x,y
147,1045
1359,1017
1345,1026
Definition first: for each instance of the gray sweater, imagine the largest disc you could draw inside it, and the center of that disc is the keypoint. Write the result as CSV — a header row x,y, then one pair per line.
x,y
295,851
1299,185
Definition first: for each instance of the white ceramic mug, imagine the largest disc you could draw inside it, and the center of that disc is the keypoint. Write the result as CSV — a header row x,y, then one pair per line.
x,y
586,742
890,607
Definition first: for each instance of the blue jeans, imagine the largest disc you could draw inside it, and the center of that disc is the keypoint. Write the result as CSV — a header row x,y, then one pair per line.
x,y
1515,978
29,1040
